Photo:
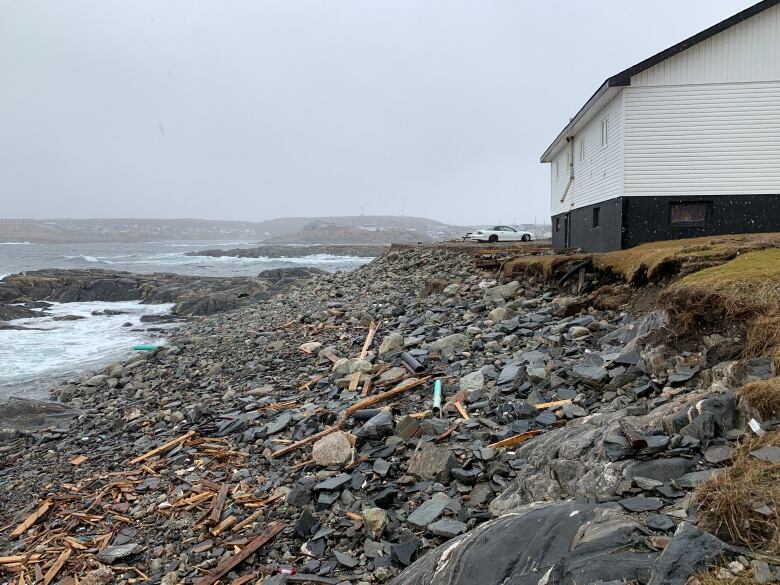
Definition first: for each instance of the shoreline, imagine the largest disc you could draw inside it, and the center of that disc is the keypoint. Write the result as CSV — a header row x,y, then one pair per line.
x,y
297,414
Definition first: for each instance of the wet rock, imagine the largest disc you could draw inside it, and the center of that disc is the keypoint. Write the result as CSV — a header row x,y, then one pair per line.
x,y
403,551
111,554
501,292
391,343
429,510
447,528
449,346
641,504
432,462
690,551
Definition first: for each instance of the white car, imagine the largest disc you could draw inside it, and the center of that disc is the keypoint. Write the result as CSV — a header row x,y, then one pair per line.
x,y
499,233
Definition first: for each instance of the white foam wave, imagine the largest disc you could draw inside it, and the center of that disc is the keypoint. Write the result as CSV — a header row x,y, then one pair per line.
x,y
16,243
57,348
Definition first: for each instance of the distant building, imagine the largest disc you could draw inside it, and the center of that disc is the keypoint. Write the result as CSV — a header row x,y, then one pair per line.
x,y
685,143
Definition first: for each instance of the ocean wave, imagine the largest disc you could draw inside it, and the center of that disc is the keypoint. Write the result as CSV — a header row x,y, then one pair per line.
x,y
85,258
16,243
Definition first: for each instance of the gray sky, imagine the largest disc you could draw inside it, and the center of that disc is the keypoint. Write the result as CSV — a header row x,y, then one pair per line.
x,y
258,109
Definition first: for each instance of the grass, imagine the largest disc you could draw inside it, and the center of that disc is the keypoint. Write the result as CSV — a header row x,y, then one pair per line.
x,y
656,260
547,265
712,578
764,397
746,288
728,501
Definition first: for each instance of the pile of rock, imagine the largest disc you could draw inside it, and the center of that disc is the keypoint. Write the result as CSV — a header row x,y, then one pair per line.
x,y
284,412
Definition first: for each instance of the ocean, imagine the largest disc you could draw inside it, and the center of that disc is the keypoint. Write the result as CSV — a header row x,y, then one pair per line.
x,y
34,361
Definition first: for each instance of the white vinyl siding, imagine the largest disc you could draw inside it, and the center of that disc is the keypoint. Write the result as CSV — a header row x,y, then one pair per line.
x,y
716,139
599,176
747,51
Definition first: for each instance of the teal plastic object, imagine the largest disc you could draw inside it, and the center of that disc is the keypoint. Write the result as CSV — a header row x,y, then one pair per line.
x,y
437,395
146,347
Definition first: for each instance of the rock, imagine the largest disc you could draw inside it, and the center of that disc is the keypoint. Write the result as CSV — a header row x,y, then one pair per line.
x,y
663,470
497,314
380,425
472,381
345,559
375,520
447,528
432,462
510,374
392,376
592,375
100,576
578,332
768,454
407,427
111,554
391,343
451,289
279,423
690,551
660,522
403,551
761,571
97,380
332,449
501,292
429,510
641,504
719,454
450,345
347,366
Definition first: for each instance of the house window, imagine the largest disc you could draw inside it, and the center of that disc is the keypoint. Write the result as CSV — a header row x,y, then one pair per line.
x,y
604,132
688,213
557,224
582,150
596,213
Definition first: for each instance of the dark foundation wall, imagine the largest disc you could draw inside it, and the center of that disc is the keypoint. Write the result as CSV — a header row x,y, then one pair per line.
x,y
582,233
647,219
625,222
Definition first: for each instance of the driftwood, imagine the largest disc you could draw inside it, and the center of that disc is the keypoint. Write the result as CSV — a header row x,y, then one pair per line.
x,y
162,448
404,386
229,564
298,444
32,518
516,440
545,405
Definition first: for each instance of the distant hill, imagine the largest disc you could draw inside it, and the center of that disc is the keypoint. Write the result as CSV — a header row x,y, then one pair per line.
x,y
134,230
314,233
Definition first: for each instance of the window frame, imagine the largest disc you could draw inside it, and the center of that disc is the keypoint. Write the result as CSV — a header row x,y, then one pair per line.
x,y
596,217
605,132
582,150
705,206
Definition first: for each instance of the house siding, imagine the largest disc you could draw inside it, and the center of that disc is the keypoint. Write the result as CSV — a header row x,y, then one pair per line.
x,y
747,51
714,139
600,176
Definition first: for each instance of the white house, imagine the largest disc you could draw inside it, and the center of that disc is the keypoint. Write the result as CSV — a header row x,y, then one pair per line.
x,y
685,143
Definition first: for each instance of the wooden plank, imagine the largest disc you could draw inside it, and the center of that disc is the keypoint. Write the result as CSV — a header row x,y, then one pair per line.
x,y
224,525
516,440
553,404
330,355
298,444
32,518
162,448
219,504
369,339
244,579
462,411
20,559
248,520
404,386
78,460
354,382
229,564
367,387
57,566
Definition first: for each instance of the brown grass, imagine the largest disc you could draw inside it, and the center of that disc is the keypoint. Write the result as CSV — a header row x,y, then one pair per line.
x,y
764,396
656,260
712,578
727,501
546,265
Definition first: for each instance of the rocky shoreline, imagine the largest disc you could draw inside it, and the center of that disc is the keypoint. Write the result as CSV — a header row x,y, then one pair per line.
x,y
281,251
286,440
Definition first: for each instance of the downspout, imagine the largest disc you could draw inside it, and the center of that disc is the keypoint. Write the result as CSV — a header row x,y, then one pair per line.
x,y
570,140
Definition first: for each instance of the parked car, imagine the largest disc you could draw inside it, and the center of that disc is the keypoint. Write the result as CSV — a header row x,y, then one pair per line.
x,y
499,233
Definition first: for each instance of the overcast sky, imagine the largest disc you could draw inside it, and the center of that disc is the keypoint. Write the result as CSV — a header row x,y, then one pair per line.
x,y
259,109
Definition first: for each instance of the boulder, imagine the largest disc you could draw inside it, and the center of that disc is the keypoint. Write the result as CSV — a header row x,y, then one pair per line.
x,y
391,343
501,292
333,449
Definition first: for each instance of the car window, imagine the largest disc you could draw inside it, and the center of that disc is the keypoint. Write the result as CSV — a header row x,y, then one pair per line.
x,y
495,228
509,229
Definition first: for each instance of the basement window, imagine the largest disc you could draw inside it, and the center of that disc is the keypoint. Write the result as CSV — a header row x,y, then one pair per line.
x,y
687,213
557,224
596,214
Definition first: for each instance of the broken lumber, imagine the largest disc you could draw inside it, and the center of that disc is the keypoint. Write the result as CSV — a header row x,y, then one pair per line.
x,y
162,448
229,564
553,404
404,386
516,440
354,382
369,339
367,387
32,518
462,411
632,433
219,503
297,444
57,566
